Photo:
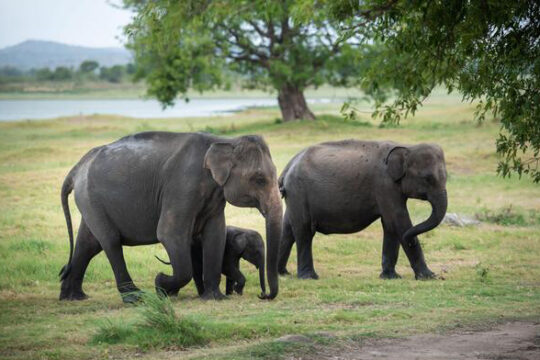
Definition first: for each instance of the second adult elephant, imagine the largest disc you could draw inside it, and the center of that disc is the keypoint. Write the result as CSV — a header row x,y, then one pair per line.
x,y
342,187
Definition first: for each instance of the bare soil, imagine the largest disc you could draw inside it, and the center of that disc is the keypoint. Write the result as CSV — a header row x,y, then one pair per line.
x,y
516,340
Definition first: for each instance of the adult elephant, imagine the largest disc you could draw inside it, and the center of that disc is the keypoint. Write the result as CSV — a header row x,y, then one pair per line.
x,y
342,187
169,188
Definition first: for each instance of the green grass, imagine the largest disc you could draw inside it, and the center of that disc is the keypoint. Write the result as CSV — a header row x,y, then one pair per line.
x,y
491,271
159,327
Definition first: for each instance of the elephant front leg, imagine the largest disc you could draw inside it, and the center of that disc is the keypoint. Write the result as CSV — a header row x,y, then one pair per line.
x,y
418,263
396,223
414,252
390,253
213,246
235,279
229,286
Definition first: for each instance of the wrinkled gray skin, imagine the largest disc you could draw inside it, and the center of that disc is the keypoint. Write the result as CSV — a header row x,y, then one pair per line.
x,y
342,187
169,188
240,244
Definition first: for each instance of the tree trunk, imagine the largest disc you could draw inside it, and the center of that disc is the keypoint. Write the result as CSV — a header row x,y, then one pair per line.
x,y
293,104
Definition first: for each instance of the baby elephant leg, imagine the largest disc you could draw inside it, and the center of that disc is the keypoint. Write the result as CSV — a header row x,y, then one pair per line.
x,y
235,279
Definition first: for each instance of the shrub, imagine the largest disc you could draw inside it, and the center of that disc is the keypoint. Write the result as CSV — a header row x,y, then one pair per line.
x,y
509,216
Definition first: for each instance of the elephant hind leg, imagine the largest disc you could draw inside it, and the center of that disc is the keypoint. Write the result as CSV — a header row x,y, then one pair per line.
x,y
197,262
86,248
179,252
287,241
303,235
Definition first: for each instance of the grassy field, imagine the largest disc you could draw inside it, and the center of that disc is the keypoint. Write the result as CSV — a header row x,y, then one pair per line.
x,y
491,271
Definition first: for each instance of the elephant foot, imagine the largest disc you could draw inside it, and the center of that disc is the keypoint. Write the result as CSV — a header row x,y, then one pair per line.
x,y
239,288
389,274
425,274
283,271
72,295
131,297
166,285
309,274
130,293
213,295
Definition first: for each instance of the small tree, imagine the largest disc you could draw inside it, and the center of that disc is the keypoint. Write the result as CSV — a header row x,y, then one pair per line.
x,y
88,66
182,45
489,51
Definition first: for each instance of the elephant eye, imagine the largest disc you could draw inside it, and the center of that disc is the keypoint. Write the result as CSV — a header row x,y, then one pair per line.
x,y
259,179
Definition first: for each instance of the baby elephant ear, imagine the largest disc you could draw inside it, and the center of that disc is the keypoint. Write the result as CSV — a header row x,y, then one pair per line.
x,y
396,164
240,243
218,160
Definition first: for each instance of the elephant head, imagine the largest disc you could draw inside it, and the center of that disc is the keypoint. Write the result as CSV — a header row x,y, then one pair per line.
x,y
245,171
420,171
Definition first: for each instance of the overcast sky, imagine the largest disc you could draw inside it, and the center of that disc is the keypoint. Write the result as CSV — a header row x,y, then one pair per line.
x,y
92,23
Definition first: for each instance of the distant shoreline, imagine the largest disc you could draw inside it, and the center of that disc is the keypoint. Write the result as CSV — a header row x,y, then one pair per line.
x,y
130,93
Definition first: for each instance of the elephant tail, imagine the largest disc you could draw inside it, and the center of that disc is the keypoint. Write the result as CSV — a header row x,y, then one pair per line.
x,y
67,188
285,172
163,261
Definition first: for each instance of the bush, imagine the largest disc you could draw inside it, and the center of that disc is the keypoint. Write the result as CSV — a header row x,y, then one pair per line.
x,y
509,216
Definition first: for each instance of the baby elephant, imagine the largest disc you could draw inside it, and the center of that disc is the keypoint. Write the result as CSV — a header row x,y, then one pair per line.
x,y
241,243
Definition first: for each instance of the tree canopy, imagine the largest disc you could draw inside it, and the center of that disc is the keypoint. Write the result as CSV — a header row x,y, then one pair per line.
x,y
183,45
487,50
88,66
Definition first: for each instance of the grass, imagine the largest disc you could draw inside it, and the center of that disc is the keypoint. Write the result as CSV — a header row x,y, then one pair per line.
x,y
159,327
491,271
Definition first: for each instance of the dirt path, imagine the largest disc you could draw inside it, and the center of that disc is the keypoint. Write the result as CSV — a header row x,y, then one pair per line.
x,y
517,340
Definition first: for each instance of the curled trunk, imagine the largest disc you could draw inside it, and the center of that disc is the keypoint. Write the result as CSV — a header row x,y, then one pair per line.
x,y
439,203
293,104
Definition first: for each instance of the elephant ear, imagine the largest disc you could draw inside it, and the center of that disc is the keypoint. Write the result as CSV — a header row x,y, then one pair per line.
x,y
396,162
218,160
240,243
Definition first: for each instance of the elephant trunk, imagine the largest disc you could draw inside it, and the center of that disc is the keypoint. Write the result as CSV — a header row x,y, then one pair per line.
x,y
273,215
262,279
439,203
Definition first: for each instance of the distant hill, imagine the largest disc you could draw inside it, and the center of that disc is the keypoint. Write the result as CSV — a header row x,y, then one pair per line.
x,y
38,54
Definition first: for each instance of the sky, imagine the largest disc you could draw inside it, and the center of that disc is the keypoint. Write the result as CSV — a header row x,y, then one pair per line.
x,y
94,23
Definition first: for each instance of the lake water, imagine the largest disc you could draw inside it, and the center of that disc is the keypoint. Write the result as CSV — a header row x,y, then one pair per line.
x,y
45,109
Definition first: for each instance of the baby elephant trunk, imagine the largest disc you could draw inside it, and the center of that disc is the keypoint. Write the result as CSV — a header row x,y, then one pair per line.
x,y
439,203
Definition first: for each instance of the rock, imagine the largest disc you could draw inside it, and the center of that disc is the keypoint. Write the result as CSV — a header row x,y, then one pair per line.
x,y
294,338
453,219
324,334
